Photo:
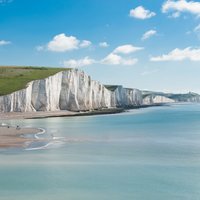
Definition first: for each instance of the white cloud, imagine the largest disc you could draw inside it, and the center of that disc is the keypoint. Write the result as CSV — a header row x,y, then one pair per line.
x,y
62,43
119,56
149,34
78,63
103,44
114,59
189,53
85,44
4,42
177,7
141,13
126,49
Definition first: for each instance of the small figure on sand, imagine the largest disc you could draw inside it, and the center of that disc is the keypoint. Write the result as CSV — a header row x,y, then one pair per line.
x,y
18,127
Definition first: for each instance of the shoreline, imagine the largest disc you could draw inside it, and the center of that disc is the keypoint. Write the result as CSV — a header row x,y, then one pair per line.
x,y
82,113
52,114
65,113
13,137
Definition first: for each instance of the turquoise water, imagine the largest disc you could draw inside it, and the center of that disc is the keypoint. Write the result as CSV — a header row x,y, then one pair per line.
x,y
151,153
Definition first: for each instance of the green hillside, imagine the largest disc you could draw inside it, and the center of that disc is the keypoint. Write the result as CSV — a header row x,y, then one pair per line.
x,y
16,78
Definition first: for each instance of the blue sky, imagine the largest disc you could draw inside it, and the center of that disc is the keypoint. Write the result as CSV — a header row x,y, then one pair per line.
x,y
139,44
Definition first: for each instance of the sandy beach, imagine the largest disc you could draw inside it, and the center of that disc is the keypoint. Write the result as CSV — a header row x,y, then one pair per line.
x,y
13,136
35,115
30,115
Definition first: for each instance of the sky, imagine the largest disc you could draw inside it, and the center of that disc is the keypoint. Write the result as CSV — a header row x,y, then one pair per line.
x,y
138,44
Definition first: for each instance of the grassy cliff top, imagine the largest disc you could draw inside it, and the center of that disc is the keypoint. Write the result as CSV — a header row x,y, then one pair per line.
x,y
16,78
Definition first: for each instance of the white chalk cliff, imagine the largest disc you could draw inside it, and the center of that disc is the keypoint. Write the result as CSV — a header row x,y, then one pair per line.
x,y
71,90
126,97
155,99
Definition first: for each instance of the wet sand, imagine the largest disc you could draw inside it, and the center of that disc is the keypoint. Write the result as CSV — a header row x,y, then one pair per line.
x,y
35,115
13,136
30,115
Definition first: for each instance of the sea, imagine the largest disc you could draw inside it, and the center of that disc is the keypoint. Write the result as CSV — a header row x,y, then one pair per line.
x,y
143,154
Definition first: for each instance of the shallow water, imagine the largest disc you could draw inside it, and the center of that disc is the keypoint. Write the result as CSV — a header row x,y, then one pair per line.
x,y
151,153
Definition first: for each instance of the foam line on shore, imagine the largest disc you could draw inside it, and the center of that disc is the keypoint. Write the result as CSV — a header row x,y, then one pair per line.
x,y
40,133
39,148
44,146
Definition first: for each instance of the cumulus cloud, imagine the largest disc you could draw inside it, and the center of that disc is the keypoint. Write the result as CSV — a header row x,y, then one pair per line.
x,y
103,44
63,43
127,49
4,42
141,13
111,59
119,56
180,6
85,44
114,59
189,53
149,34
72,63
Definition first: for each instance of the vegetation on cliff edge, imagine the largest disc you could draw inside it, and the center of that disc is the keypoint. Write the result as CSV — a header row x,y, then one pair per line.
x,y
16,78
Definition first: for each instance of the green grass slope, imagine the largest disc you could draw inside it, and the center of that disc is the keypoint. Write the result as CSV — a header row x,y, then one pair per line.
x,y
16,78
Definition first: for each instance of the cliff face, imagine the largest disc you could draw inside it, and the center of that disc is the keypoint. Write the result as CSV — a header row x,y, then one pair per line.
x,y
73,90
68,90
150,97
79,92
125,97
188,97
133,97
155,99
